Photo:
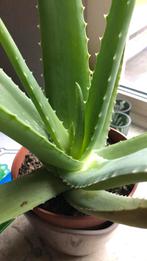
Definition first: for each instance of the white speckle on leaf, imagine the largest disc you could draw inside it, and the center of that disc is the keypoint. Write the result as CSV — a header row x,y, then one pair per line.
x,y
109,79
120,35
100,115
114,57
26,76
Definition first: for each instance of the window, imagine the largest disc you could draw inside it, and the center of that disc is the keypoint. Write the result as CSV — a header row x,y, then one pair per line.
x,y
133,84
135,74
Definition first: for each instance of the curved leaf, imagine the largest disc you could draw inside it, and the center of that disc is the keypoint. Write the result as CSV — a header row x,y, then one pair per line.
x,y
119,209
53,125
124,148
28,192
106,174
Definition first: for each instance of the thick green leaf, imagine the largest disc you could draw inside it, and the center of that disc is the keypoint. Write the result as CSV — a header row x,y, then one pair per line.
x,y
53,125
3,226
15,101
106,174
103,88
65,54
20,121
124,148
119,209
27,192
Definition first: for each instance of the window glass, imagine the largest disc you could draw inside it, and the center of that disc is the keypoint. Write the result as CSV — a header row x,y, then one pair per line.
x,y
134,75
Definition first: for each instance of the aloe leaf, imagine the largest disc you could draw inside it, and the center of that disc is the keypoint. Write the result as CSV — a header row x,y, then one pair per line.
x,y
47,152
28,192
65,54
15,101
119,209
103,88
124,148
53,125
3,226
77,139
20,121
106,174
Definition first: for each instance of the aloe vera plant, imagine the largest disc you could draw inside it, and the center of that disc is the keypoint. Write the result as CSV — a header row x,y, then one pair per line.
x,y
66,125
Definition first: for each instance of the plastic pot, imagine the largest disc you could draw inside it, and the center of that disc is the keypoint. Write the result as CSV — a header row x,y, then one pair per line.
x,y
123,106
121,122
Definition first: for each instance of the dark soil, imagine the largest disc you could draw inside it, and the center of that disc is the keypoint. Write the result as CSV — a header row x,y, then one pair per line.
x,y
59,205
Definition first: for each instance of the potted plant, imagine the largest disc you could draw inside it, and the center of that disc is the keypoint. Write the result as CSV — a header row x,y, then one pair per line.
x,y
66,125
123,106
121,122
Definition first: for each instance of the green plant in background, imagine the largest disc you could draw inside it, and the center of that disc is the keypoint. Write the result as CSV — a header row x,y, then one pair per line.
x,y
67,127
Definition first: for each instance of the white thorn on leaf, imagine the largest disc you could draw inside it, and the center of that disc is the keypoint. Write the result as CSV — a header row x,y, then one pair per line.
x,y
100,38
83,7
134,171
104,98
41,75
113,174
39,43
105,16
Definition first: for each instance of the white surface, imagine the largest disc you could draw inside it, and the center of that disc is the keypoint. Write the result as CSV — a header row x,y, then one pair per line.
x,y
8,149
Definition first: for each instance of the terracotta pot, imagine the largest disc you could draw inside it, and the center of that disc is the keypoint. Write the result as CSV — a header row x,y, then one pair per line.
x,y
58,219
